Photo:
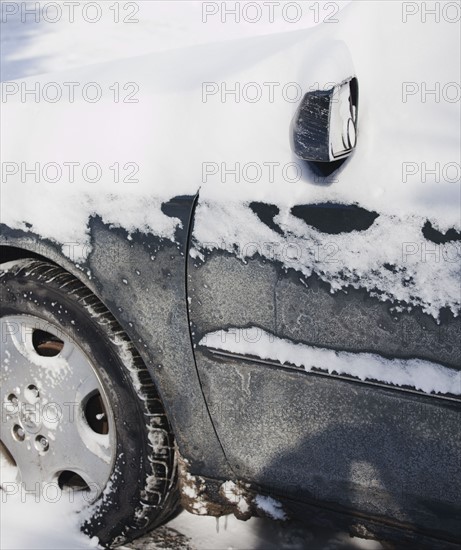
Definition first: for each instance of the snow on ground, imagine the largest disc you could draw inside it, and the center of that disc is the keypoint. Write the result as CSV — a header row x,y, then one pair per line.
x,y
35,521
188,532
27,525
43,520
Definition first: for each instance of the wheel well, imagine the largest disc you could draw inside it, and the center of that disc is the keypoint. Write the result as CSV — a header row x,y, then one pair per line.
x,y
144,493
11,253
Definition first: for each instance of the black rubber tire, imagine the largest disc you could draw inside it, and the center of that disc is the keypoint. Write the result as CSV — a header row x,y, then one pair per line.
x,y
143,489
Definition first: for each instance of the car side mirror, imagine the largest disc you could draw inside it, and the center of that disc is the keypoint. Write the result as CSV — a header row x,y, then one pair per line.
x,y
324,128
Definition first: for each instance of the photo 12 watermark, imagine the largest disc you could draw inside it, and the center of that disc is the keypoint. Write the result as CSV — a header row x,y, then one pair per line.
x,y
33,416
427,252
251,172
50,492
270,12
72,172
435,12
262,92
284,251
436,172
69,92
431,92
251,92
70,12
267,172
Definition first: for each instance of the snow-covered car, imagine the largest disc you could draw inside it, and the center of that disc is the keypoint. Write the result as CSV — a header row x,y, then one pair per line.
x,y
194,316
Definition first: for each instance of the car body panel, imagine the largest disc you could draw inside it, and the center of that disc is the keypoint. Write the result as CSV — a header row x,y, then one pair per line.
x,y
141,281
387,452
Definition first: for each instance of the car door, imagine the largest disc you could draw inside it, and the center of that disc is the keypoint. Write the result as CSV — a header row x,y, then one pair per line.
x,y
304,390
324,304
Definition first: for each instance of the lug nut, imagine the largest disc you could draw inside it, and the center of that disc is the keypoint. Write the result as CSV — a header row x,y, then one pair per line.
x,y
13,399
41,443
34,390
31,393
18,433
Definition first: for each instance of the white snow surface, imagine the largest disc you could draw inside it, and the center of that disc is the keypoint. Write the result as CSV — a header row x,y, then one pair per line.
x,y
30,48
40,519
416,373
229,533
170,138
271,506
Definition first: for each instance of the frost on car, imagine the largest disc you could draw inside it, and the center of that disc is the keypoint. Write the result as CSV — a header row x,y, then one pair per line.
x,y
235,331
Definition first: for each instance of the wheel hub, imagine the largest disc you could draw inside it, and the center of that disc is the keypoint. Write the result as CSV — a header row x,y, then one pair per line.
x,y
25,416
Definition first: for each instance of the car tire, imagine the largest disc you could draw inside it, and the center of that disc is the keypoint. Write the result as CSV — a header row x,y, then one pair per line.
x,y
112,443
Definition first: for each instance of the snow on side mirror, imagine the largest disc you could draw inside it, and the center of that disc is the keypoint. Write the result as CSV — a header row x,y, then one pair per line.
x,y
324,128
